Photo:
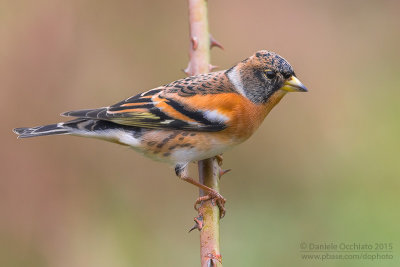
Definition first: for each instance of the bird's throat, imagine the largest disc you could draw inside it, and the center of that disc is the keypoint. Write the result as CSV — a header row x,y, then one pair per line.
x,y
273,100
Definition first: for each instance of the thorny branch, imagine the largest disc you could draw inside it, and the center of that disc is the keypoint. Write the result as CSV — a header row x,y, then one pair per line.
x,y
207,222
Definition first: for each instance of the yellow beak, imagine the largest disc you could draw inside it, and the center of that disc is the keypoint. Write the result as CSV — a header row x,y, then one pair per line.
x,y
293,85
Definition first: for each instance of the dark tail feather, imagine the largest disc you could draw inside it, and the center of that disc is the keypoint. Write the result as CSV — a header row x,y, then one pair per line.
x,y
78,127
42,130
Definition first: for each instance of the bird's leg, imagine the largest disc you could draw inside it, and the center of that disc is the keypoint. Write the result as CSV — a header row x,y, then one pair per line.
x,y
219,159
181,171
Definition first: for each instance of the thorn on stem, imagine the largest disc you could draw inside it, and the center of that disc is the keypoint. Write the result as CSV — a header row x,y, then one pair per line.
x,y
195,43
212,67
215,43
198,223
212,257
222,172
188,69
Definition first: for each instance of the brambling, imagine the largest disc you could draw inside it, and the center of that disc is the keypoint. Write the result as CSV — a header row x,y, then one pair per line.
x,y
191,119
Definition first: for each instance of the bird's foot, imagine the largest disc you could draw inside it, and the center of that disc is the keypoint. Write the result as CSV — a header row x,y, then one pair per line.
x,y
219,159
216,199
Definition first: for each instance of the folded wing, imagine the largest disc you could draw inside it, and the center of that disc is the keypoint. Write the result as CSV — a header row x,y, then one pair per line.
x,y
157,109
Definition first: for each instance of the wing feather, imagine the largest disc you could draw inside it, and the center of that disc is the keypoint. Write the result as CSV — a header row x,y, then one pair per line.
x,y
169,107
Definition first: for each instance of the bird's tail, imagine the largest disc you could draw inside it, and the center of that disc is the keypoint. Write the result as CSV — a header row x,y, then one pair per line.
x,y
105,130
42,130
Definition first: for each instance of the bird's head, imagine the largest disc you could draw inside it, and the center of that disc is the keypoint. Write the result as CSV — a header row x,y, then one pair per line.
x,y
263,74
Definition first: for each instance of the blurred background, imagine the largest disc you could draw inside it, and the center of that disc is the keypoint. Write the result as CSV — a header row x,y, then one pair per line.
x,y
324,167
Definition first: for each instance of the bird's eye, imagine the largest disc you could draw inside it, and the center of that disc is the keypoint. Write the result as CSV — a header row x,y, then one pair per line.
x,y
286,75
270,74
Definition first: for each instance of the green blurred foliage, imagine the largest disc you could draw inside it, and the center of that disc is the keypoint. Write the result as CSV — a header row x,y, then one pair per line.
x,y
324,167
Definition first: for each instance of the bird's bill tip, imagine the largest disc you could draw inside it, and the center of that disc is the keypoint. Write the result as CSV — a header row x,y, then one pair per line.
x,y
294,85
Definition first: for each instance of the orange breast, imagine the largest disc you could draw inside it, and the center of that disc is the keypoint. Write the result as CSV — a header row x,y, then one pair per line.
x,y
244,116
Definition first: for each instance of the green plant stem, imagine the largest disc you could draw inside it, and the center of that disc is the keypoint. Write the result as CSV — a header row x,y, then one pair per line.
x,y
199,53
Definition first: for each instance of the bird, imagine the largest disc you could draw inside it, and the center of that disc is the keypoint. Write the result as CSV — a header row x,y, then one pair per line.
x,y
190,119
